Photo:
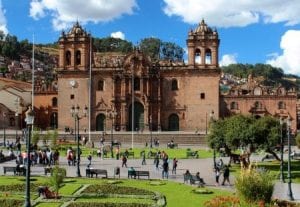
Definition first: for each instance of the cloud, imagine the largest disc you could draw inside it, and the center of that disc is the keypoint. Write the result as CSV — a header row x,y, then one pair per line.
x,y
232,13
65,12
118,34
228,59
289,60
3,24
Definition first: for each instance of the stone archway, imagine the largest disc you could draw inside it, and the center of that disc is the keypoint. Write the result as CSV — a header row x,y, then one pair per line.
x,y
173,122
138,118
100,122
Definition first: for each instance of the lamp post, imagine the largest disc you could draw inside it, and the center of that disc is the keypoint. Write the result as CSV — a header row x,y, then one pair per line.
x,y
75,113
281,150
111,114
290,193
211,121
150,128
29,122
17,102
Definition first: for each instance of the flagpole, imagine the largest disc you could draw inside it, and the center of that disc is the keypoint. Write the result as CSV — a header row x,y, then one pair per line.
x,y
90,88
32,76
132,105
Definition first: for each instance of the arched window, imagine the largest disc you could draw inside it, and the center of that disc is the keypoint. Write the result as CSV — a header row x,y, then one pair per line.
x,y
68,58
281,91
78,57
174,85
54,102
257,91
257,105
197,56
207,56
173,122
136,84
234,105
100,85
281,105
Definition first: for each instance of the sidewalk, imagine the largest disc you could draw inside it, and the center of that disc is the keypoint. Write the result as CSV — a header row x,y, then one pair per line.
x,y
281,191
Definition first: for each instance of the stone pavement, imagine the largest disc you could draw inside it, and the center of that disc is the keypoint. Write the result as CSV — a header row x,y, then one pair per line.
x,y
204,166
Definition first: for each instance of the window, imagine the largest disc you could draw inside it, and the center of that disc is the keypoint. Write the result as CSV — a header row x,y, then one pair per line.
x,y
281,105
54,102
202,95
198,56
136,86
174,85
208,56
72,96
233,105
68,58
78,57
257,91
100,85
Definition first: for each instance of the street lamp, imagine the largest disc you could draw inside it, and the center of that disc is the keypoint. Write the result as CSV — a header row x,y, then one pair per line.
x,y
281,121
4,132
111,114
29,122
75,113
17,102
211,121
150,128
290,193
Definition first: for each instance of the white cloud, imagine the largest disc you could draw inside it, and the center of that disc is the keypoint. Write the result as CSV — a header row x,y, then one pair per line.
x,y
65,12
229,13
3,26
118,34
228,59
289,60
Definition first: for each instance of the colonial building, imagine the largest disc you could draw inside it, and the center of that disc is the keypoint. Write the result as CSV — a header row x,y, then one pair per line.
x,y
257,100
131,92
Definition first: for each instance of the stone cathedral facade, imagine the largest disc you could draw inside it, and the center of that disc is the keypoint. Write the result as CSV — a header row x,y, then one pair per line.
x,y
132,92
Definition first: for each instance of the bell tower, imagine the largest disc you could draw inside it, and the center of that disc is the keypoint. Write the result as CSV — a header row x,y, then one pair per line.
x,y
74,49
203,47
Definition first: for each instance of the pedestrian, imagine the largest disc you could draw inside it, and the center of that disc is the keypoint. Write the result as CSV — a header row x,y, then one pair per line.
x,y
217,175
165,172
143,158
175,161
156,161
124,161
226,175
89,157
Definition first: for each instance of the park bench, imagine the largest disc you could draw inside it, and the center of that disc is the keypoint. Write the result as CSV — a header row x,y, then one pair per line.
x,y
47,170
193,154
90,172
138,174
7,158
194,180
128,154
17,171
172,145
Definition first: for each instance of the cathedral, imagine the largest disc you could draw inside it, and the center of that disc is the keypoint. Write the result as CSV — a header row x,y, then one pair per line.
x,y
126,92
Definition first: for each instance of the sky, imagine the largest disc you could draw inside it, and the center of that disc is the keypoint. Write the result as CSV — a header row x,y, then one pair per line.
x,y
251,31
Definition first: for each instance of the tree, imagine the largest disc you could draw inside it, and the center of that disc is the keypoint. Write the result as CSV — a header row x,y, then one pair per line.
x,y
54,135
151,47
245,132
171,51
110,44
57,178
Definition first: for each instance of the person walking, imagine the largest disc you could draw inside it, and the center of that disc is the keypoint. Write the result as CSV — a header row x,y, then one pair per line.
x,y
226,175
175,161
217,175
156,162
144,158
165,172
124,161
89,157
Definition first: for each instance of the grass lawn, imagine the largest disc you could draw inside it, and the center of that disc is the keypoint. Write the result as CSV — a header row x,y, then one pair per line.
x,y
274,168
177,194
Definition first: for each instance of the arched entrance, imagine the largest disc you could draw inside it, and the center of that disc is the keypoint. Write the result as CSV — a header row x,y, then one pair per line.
x,y
138,120
173,122
100,122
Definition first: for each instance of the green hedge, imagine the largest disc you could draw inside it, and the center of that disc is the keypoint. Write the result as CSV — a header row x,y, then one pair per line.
x,y
115,189
89,204
19,187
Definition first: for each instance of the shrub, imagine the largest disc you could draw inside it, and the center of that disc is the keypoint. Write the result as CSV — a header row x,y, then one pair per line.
x,y
57,178
202,191
223,201
11,202
254,184
298,140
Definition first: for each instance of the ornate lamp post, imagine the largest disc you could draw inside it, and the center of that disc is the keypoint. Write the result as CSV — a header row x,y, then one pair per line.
x,y
290,193
75,113
111,115
150,128
281,150
29,122
211,121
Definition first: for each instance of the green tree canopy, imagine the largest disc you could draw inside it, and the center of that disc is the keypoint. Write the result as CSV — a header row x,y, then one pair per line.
x,y
110,44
